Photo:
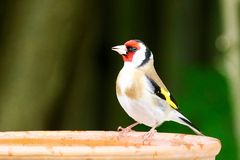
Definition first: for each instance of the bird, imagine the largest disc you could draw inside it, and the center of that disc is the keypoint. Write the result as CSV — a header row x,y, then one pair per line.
x,y
141,92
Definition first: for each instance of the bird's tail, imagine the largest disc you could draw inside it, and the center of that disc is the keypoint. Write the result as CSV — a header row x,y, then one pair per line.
x,y
179,118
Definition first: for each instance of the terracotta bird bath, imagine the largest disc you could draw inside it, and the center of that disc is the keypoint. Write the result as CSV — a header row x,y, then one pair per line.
x,y
105,145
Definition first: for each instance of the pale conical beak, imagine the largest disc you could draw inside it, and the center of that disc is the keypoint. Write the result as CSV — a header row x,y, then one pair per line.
x,y
121,49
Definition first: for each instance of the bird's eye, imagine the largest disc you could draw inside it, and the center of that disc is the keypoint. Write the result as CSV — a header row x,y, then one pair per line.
x,y
131,49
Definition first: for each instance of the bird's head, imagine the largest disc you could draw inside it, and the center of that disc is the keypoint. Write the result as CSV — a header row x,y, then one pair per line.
x,y
134,53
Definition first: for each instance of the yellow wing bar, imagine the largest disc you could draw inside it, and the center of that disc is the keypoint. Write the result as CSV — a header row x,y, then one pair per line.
x,y
170,100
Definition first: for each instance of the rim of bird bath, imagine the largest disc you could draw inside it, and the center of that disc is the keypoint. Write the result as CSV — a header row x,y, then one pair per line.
x,y
105,145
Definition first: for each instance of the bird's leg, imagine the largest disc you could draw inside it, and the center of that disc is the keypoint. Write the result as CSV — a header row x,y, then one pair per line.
x,y
127,129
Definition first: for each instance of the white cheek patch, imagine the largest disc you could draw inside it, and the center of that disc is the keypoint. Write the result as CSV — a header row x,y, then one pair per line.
x,y
139,56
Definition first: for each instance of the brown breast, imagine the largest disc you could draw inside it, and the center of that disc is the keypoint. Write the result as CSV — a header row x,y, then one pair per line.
x,y
135,89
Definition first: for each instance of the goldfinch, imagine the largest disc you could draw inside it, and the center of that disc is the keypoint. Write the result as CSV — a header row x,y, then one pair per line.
x,y
141,92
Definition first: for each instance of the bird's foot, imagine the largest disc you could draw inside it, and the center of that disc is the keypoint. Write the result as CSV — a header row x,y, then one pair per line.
x,y
125,131
149,135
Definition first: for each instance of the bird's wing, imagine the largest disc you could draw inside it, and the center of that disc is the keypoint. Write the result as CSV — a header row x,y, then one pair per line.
x,y
150,71
158,86
162,93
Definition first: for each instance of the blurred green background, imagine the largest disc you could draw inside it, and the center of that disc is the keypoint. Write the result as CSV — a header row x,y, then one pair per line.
x,y
57,70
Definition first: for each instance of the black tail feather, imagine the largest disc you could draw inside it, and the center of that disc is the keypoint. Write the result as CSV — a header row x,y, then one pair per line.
x,y
190,124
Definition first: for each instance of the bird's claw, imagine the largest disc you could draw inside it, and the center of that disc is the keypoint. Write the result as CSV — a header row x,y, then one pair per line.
x,y
120,128
147,136
123,131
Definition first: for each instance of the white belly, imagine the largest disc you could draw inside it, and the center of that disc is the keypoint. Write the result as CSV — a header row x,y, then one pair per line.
x,y
142,111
